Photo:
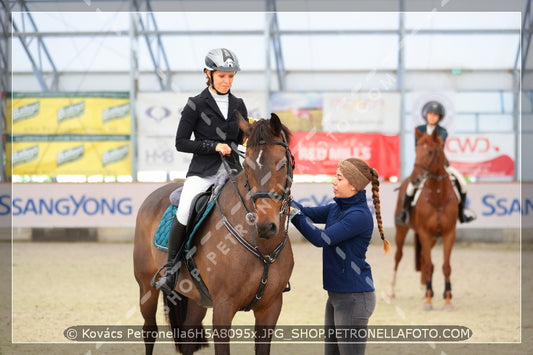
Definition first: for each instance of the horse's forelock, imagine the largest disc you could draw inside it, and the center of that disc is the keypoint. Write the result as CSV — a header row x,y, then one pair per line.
x,y
262,134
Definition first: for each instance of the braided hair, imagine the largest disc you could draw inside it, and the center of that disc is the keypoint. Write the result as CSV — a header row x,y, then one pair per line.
x,y
372,175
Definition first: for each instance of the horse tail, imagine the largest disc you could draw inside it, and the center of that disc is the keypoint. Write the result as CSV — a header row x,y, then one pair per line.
x,y
177,306
418,249
177,311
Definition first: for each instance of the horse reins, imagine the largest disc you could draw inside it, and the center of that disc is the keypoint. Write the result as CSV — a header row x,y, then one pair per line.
x,y
285,197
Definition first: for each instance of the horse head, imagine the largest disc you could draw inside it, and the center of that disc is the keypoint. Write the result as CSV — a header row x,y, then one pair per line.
x,y
268,167
430,157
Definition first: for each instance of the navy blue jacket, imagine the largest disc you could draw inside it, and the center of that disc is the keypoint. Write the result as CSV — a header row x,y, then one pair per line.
x,y
202,117
344,241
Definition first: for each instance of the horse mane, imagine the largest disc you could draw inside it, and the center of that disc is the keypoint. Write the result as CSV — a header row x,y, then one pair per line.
x,y
261,133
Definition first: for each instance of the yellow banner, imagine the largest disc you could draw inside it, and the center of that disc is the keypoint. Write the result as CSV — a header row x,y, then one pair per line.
x,y
75,115
83,157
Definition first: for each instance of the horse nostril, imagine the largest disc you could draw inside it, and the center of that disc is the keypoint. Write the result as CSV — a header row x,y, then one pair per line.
x,y
267,230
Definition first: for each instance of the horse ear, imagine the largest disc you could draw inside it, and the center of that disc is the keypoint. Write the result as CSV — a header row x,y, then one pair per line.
x,y
275,124
418,134
244,125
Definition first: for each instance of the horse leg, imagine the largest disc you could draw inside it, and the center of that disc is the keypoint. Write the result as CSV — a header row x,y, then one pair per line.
x,y
223,313
265,323
447,245
401,232
426,269
148,302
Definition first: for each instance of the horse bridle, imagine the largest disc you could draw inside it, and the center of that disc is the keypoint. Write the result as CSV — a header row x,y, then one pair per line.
x,y
250,217
285,196
428,168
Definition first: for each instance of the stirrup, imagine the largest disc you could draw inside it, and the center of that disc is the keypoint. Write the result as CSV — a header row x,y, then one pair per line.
x,y
163,286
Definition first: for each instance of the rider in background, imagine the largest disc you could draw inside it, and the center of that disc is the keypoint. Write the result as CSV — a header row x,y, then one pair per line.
x,y
433,112
210,116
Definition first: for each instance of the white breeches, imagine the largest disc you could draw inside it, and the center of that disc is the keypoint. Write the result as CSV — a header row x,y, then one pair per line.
x,y
458,176
193,186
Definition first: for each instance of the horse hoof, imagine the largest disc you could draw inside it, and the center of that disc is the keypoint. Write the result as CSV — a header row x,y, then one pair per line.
x,y
428,307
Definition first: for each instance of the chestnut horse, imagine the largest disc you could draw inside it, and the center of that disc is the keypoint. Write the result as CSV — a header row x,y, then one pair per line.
x,y
241,251
434,215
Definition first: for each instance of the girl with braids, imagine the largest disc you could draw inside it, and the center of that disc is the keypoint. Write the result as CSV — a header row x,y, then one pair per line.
x,y
346,275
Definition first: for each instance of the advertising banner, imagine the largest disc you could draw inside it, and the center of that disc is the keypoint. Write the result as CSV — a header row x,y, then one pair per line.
x,y
300,112
70,155
95,113
482,155
319,152
159,154
48,205
158,113
362,112
158,116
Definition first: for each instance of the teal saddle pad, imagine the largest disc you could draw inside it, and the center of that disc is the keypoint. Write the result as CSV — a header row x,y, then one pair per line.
x,y
161,234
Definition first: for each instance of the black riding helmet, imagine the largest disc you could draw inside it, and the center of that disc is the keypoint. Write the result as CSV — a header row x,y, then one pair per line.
x,y
435,107
221,59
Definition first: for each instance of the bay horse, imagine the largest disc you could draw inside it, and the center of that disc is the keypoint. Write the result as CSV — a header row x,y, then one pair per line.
x,y
434,215
241,251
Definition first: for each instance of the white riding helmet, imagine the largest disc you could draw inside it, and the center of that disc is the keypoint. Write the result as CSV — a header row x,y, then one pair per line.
x,y
221,59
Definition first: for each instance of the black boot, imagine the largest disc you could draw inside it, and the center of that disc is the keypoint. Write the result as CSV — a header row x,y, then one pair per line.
x,y
403,218
462,217
176,246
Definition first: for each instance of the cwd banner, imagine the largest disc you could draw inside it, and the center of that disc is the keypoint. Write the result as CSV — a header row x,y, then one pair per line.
x,y
320,152
482,155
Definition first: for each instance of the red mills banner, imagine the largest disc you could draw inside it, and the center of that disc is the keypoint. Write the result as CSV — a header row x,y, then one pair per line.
x,y
320,152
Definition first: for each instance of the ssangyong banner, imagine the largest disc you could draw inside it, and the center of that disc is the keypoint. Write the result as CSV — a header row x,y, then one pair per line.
x,y
497,205
482,155
320,152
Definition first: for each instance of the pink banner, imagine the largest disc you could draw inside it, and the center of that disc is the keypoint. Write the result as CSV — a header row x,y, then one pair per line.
x,y
320,152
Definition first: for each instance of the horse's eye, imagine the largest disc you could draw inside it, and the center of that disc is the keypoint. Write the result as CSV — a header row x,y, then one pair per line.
x,y
282,164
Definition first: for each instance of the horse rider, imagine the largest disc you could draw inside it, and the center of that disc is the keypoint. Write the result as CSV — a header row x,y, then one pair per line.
x,y
433,112
210,116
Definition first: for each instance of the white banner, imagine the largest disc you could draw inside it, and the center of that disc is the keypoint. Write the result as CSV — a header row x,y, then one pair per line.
x,y
158,153
361,112
497,205
158,116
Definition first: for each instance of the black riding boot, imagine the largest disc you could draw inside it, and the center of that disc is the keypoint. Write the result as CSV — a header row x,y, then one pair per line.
x,y
462,217
403,218
176,246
